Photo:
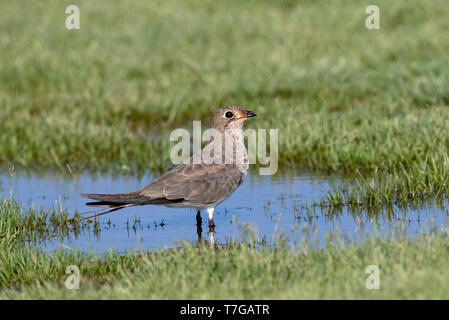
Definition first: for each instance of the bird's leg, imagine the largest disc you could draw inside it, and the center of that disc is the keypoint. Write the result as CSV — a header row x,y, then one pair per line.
x,y
210,211
198,218
212,235
199,229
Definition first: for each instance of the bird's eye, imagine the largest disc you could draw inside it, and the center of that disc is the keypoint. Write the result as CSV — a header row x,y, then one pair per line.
x,y
229,114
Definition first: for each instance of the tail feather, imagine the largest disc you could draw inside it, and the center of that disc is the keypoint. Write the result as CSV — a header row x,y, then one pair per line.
x,y
114,202
121,199
117,199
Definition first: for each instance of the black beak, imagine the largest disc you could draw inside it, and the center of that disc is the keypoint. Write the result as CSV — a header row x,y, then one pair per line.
x,y
250,114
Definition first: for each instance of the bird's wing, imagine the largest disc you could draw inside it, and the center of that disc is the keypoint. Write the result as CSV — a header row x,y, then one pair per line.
x,y
197,184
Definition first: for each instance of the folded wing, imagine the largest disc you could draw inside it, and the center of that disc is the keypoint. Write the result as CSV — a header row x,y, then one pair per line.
x,y
197,184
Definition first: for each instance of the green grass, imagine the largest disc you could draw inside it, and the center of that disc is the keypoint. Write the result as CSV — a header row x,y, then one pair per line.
x,y
409,269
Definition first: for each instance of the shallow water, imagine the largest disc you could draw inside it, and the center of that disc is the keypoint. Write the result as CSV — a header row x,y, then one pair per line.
x,y
270,205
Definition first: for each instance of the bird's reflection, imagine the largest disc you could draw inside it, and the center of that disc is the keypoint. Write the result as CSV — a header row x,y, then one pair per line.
x,y
212,234
199,229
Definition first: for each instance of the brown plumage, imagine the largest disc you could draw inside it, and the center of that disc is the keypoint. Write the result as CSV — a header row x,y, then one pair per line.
x,y
195,184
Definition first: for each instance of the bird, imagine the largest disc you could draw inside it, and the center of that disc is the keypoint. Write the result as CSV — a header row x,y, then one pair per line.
x,y
199,183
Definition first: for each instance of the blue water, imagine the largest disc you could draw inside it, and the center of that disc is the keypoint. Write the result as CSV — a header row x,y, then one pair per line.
x,y
269,205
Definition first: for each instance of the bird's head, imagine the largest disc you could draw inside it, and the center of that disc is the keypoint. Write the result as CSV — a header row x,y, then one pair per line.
x,y
231,117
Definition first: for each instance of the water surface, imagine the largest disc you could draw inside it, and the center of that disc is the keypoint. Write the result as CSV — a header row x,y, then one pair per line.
x,y
269,205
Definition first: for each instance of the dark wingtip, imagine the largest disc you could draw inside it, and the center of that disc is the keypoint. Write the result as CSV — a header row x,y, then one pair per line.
x,y
103,204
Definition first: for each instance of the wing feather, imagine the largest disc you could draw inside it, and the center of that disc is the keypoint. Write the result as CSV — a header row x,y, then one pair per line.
x,y
197,184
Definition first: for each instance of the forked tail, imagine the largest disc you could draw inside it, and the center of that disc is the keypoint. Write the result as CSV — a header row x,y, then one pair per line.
x,y
114,202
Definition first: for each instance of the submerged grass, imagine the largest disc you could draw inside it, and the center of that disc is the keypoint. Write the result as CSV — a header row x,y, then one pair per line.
x,y
345,98
402,187
409,268
32,226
